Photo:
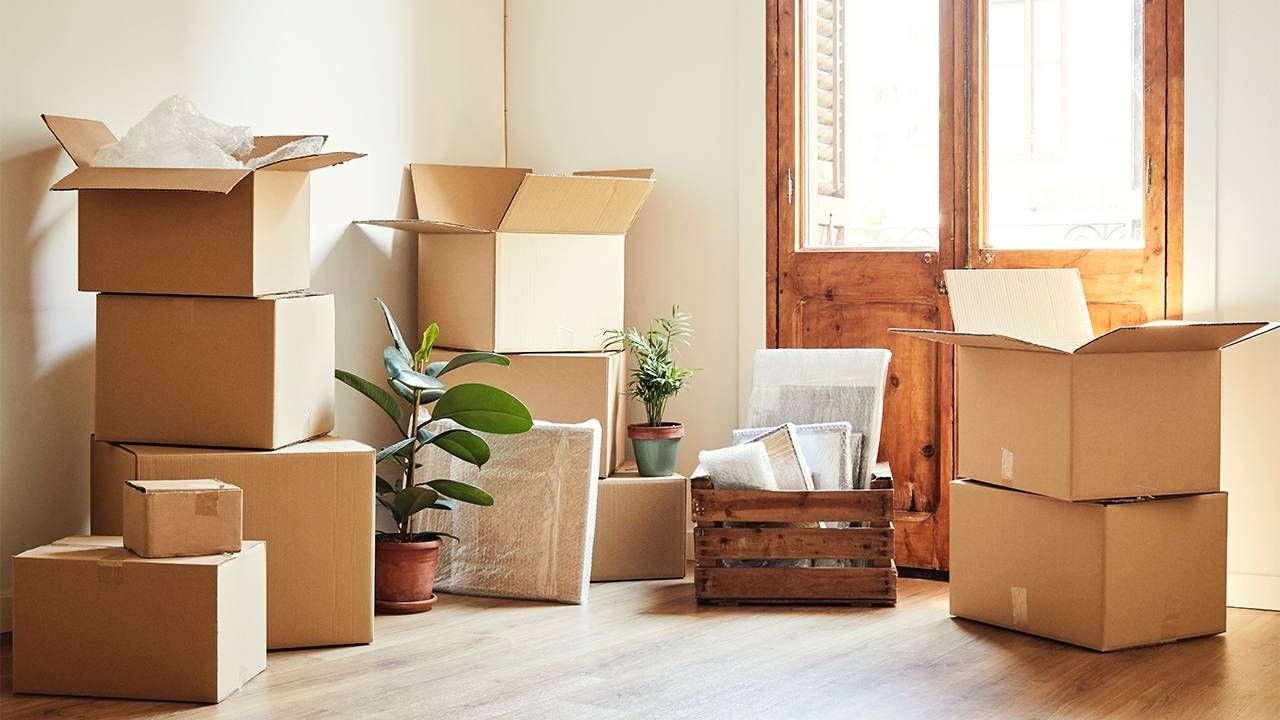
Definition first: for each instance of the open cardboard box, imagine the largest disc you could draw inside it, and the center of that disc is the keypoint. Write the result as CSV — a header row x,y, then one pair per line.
x,y
1046,407
510,261
191,231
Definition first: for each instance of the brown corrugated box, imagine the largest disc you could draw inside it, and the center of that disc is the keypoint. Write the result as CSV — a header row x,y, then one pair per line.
x,y
1103,575
174,518
510,261
641,525
190,231
221,372
1046,407
563,388
313,504
91,618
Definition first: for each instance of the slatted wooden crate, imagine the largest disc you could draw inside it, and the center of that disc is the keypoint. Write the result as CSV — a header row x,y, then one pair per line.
x,y
714,543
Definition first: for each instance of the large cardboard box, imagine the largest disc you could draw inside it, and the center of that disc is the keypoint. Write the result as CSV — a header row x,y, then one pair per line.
x,y
313,504
173,518
190,231
222,372
91,618
1046,407
510,261
641,525
1098,574
563,388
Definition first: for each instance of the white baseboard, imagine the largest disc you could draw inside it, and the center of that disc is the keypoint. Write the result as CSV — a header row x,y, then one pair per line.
x,y
6,610
1251,590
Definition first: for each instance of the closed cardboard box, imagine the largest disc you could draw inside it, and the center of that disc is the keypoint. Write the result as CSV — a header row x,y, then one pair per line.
x,y
510,261
221,372
191,231
173,518
563,388
1102,575
1046,407
92,618
311,502
641,525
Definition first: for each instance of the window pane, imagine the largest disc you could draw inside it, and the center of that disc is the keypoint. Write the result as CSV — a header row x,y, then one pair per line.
x,y
871,99
1064,124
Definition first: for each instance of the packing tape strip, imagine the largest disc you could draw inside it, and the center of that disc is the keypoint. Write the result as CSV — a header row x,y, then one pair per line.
x,y
1006,464
207,503
110,572
1018,595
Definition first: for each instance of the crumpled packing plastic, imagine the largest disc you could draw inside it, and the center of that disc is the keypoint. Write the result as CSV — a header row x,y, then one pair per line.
x,y
175,134
819,386
535,542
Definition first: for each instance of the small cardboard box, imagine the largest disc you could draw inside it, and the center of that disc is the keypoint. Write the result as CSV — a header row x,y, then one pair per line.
x,y
174,518
1046,407
311,502
1103,575
641,524
92,618
222,372
563,388
191,231
510,261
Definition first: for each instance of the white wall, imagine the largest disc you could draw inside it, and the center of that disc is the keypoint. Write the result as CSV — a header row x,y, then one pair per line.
x,y
1233,261
403,80
677,86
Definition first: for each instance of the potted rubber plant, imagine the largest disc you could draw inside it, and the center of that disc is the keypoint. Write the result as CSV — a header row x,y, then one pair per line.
x,y
655,380
416,394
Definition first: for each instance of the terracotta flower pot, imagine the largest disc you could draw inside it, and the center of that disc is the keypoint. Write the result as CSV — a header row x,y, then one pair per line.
x,y
403,576
655,447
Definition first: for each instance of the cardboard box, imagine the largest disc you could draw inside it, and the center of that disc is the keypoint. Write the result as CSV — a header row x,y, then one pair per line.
x,y
91,618
173,518
510,261
1102,575
222,372
190,231
1044,406
563,388
641,525
313,504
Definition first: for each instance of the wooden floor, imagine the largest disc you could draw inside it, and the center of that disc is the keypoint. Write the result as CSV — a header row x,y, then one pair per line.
x,y
645,650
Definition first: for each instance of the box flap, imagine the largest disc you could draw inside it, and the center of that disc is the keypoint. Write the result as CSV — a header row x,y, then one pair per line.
x,y
79,137
161,486
307,163
997,342
1170,337
423,226
638,173
215,180
264,144
465,196
1043,307
589,205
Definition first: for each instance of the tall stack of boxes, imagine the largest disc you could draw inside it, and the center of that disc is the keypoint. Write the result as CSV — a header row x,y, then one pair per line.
x,y
1089,510
532,266
214,361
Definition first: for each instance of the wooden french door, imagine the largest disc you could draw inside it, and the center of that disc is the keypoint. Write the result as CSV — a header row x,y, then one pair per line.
x,y
869,199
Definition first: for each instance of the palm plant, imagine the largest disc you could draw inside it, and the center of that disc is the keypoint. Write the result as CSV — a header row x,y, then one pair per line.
x,y
656,378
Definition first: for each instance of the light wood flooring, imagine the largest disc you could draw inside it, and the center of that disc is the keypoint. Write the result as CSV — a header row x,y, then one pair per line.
x,y
646,650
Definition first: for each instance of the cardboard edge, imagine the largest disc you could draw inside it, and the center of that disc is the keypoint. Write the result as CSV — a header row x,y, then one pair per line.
x,y
951,337
1268,327
426,227
310,163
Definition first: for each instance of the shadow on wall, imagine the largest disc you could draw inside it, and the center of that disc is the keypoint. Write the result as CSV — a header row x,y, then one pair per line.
x,y
46,383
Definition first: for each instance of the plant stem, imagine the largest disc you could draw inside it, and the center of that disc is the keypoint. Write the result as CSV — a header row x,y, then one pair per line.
x,y
411,432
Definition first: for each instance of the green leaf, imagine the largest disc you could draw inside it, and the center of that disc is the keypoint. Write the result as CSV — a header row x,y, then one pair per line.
x,y
379,396
466,358
428,341
382,486
464,492
398,338
413,500
462,444
398,369
393,448
395,514
427,397
484,408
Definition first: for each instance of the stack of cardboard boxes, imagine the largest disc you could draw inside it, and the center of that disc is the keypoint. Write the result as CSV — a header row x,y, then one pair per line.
x,y
213,361
532,266
1090,509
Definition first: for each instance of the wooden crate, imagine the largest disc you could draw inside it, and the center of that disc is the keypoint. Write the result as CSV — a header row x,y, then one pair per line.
x,y
713,543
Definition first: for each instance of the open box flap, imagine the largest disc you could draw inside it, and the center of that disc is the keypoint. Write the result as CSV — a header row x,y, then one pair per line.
x,y
576,204
307,163
431,227
215,180
636,173
982,340
163,486
79,137
264,144
1042,307
1170,337
465,196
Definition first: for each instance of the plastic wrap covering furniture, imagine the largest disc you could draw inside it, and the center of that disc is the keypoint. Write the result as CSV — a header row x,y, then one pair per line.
x,y
830,450
535,542
820,386
786,458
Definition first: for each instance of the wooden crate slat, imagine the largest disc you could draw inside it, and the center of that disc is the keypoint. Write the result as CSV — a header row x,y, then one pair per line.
x,y
794,543
792,505
871,585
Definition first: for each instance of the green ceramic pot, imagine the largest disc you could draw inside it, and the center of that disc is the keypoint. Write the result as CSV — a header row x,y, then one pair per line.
x,y
656,447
